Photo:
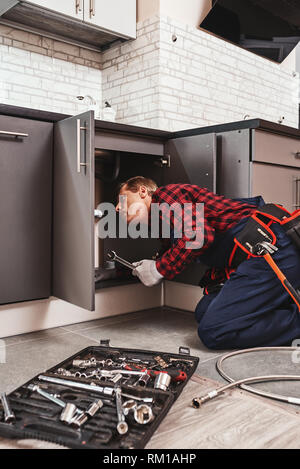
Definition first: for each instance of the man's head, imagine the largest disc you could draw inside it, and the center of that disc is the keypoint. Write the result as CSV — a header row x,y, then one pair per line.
x,y
135,197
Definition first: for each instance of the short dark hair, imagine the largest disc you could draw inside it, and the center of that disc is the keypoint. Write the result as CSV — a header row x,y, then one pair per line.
x,y
133,184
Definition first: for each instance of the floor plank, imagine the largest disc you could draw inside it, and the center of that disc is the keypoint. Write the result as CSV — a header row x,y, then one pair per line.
x,y
236,420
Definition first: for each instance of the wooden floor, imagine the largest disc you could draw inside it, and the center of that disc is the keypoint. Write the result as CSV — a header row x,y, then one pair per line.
x,y
236,420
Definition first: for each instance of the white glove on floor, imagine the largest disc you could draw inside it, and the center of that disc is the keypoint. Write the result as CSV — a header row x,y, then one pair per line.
x,y
147,272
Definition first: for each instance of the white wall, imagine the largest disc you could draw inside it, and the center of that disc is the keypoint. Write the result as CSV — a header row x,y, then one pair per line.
x,y
196,81
187,11
36,81
130,75
147,9
191,12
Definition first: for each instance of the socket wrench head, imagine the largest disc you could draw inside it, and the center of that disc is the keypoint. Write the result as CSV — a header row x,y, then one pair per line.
x,y
162,381
122,428
80,420
143,414
128,406
94,407
68,413
143,380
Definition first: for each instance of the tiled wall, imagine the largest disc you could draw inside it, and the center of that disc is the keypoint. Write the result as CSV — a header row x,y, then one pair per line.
x,y
197,80
41,73
130,76
153,82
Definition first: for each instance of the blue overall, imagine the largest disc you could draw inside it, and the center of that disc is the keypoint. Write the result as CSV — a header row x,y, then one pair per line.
x,y
252,309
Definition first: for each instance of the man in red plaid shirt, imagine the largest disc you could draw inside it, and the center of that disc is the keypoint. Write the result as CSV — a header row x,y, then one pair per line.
x,y
239,306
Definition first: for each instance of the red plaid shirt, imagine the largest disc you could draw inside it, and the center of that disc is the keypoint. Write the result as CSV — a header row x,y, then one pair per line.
x,y
220,214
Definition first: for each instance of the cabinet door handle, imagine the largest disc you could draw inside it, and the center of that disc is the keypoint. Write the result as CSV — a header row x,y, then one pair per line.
x,y
78,6
92,8
13,134
297,192
79,129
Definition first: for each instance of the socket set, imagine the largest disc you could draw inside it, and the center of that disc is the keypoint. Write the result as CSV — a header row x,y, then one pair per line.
x,y
100,398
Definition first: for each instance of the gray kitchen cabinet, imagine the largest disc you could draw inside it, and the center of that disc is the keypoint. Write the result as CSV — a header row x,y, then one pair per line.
x,y
25,209
193,160
47,229
253,162
190,160
277,184
233,163
275,169
73,211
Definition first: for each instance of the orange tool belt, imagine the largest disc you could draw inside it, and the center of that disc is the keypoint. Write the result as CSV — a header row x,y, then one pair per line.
x,y
258,240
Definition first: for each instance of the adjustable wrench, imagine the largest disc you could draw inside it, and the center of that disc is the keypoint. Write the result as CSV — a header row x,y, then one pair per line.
x,y
112,256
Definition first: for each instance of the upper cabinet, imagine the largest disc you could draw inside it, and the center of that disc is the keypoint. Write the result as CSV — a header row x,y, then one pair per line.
x,y
94,23
72,8
115,15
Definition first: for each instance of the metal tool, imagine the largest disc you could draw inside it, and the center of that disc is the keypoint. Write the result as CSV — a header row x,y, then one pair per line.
x,y
161,362
176,375
184,360
122,426
74,384
129,406
80,420
112,256
90,387
68,413
143,380
46,395
143,414
148,400
105,374
91,362
116,378
162,381
90,412
94,407
9,416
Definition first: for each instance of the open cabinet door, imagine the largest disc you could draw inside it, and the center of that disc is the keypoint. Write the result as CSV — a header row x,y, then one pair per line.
x,y
192,160
73,211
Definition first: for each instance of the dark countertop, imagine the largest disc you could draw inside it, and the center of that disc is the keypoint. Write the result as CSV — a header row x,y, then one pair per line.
x,y
36,114
258,124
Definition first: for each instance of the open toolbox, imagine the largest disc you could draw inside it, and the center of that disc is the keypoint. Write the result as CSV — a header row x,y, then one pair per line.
x,y
100,398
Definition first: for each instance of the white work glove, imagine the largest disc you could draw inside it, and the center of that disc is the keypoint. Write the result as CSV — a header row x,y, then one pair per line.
x,y
147,272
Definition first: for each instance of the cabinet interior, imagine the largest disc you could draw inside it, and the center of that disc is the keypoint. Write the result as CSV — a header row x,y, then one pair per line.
x,y
111,169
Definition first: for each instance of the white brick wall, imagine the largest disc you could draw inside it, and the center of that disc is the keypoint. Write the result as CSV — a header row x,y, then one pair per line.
x,y
33,80
153,82
130,75
196,81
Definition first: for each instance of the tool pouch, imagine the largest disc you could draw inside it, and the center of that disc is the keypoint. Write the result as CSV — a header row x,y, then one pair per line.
x,y
258,230
292,227
254,232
